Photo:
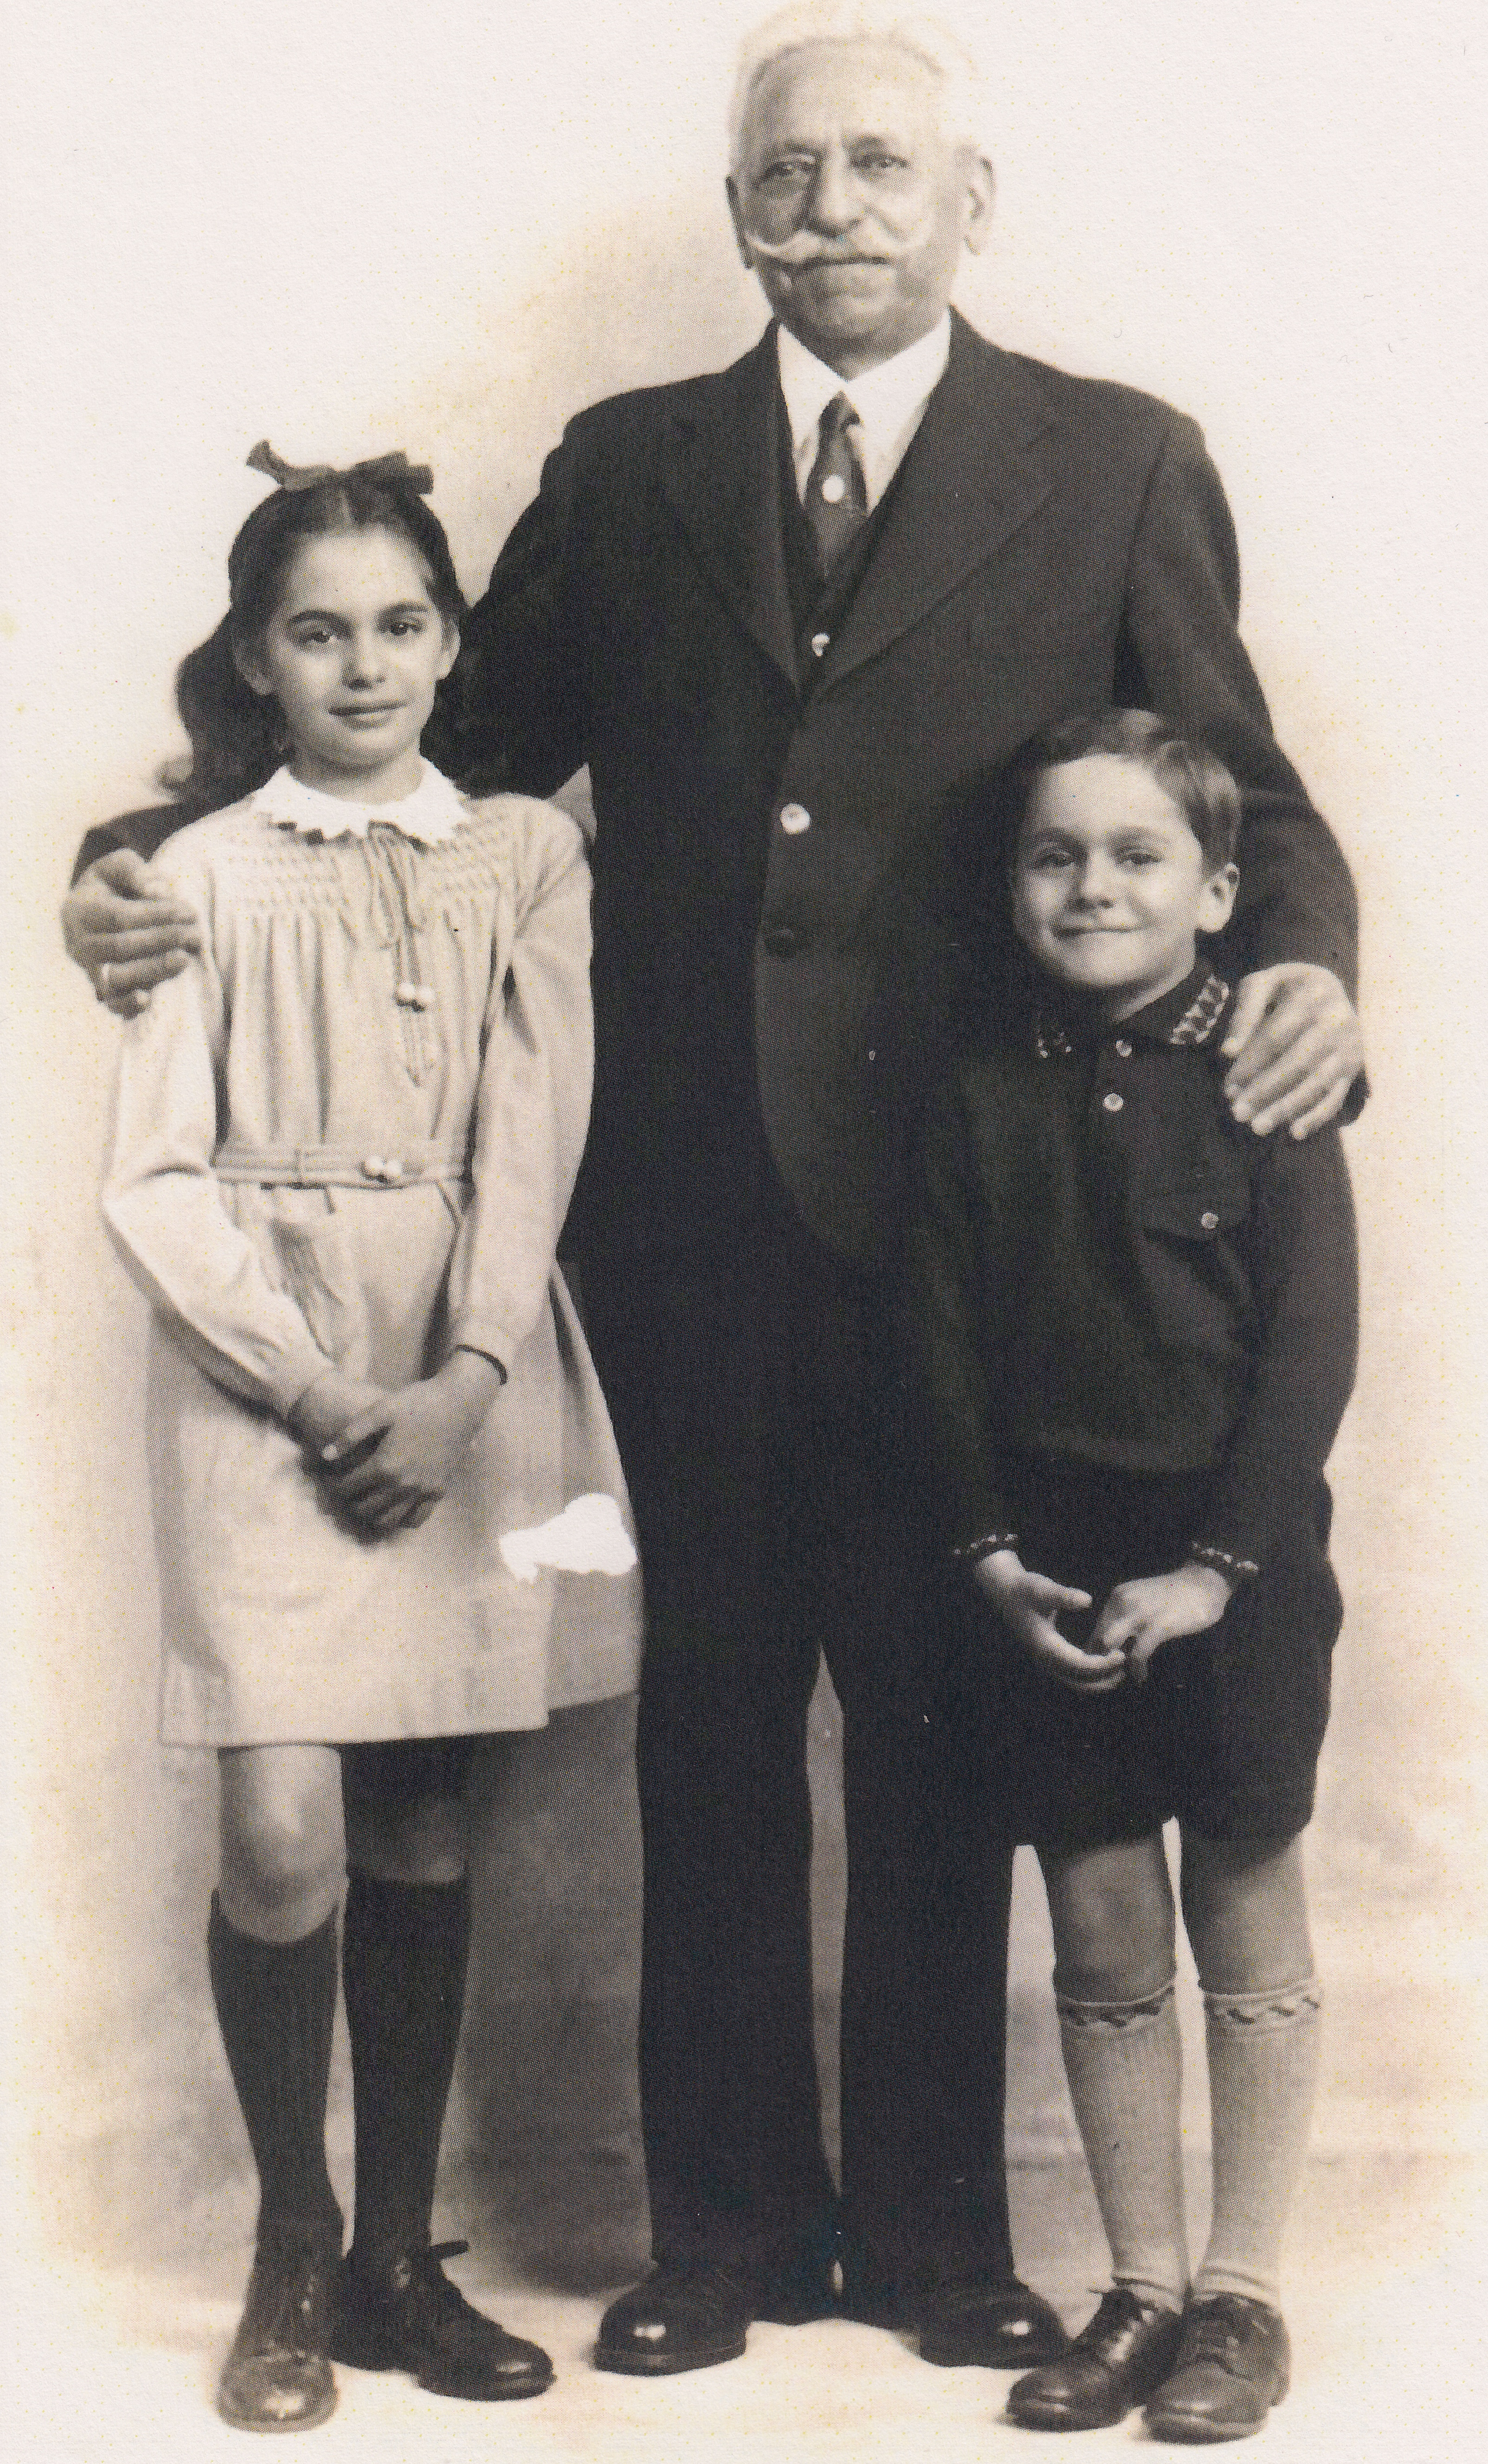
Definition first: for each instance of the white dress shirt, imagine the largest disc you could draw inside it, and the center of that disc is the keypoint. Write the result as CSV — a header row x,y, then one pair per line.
x,y
889,401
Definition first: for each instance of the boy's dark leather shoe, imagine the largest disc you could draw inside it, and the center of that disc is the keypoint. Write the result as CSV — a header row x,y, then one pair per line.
x,y
685,2316
277,2375
995,2323
413,2319
1234,2362
1118,2359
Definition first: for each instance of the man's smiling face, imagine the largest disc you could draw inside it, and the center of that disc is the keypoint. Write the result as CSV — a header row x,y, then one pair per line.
x,y
850,202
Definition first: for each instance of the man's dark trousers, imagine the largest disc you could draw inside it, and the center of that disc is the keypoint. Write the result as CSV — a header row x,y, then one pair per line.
x,y
760,1414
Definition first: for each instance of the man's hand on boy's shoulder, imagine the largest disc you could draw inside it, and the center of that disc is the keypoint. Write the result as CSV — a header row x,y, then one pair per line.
x,y
1296,1047
127,934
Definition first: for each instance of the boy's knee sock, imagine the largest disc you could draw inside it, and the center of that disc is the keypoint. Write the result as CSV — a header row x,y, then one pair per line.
x,y
276,2005
403,1963
1263,2077
1124,2063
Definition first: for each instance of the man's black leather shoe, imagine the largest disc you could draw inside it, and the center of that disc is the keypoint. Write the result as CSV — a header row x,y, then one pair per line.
x,y
995,2323
685,2316
415,2319
1234,2362
1118,2359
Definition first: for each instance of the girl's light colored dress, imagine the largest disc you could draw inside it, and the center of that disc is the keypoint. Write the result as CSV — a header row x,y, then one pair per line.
x,y
348,1136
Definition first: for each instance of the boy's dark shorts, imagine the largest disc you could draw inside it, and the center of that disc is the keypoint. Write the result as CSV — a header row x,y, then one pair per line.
x,y
1226,1731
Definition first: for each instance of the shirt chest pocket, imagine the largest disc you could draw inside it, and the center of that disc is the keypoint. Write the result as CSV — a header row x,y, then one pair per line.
x,y
1191,1260
1202,1209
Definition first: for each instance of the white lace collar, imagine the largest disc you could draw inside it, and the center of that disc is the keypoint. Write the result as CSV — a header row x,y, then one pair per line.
x,y
431,814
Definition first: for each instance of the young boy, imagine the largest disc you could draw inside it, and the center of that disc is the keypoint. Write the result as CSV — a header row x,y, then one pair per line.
x,y
1135,1325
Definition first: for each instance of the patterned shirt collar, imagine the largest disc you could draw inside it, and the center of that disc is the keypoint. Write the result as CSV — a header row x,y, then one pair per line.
x,y
1193,1012
433,812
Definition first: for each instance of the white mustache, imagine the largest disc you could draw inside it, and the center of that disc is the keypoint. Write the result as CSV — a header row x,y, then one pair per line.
x,y
804,248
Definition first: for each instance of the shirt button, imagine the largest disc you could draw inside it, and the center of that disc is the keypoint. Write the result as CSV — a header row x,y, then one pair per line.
x,y
1113,1103
793,819
1123,1048
819,641
392,1169
834,488
372,1167
1209,1221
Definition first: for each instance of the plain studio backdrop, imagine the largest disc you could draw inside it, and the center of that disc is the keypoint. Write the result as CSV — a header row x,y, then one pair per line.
x,y
447,227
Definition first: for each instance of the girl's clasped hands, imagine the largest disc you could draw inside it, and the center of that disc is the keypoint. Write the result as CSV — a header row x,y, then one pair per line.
x,y
384,1458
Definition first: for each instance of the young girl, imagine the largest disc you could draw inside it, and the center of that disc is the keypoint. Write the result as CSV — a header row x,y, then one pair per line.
x,y
1136,1322
344,1144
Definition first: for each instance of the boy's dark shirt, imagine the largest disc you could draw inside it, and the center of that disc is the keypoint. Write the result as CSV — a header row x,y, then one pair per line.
x,y
1105,1268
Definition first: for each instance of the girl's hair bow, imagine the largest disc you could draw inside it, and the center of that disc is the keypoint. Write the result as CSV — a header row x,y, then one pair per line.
x,y
395,469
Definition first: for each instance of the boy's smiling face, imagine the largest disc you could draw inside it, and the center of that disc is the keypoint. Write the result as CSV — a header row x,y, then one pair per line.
x,y
1110,886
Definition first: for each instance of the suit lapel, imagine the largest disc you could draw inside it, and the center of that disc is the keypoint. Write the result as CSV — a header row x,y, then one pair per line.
x,y
974,474
720,476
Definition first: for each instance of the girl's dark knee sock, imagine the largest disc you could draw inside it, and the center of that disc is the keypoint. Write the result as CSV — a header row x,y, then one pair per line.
x,y
275,2006
404,1962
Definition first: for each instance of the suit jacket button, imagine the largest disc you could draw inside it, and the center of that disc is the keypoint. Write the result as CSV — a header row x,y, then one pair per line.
x,y
781,940
793,819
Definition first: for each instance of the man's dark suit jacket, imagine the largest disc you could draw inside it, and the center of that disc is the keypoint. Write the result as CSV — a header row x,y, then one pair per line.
x,y
1050,546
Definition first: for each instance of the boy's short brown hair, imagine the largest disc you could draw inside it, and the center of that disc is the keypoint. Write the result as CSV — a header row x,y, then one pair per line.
x,y
1198,784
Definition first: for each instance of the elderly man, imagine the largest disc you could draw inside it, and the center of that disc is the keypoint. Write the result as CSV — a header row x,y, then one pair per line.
x,y
795,618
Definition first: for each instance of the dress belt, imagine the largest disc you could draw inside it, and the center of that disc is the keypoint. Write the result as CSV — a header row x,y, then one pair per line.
x,y
341,1167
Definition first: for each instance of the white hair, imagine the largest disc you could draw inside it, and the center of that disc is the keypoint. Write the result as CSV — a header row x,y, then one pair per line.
x,y
809,22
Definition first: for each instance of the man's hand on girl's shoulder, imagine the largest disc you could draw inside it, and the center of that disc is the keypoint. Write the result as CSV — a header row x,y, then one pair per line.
x,y
127,933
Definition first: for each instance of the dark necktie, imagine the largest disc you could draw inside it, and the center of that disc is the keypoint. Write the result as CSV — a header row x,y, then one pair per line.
x,y
836,500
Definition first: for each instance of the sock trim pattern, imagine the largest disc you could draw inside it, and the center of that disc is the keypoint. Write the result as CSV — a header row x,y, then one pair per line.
x,y
1114,2018
1279,2006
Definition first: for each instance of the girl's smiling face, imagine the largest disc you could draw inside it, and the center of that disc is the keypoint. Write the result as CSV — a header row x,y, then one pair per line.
x,y
1110,886
352,654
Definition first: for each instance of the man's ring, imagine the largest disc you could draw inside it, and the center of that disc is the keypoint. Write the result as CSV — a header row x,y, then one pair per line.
x,y
105,974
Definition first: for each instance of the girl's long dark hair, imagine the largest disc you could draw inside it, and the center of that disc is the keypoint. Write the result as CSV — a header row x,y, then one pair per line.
x,y
238,739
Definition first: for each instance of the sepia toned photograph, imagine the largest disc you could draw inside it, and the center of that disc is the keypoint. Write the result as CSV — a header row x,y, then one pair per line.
x,y
746,1226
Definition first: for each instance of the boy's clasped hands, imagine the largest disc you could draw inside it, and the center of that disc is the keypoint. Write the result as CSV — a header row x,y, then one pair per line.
x,y
385,1458
1137,1619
